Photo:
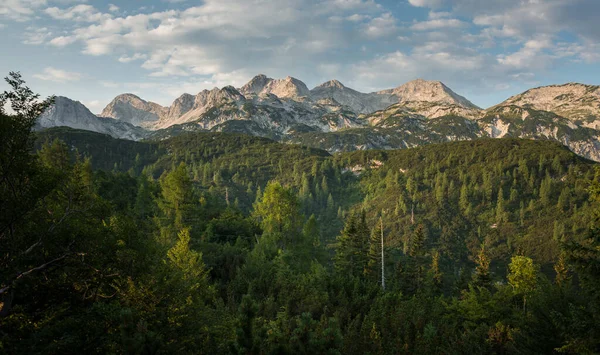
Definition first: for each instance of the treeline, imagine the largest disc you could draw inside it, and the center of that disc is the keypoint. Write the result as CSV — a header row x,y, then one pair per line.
x,y
213,243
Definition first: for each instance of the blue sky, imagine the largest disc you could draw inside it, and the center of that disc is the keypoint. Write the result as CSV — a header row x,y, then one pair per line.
x,y
487,51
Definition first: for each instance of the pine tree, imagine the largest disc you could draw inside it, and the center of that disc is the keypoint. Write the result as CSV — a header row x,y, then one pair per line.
x,y
562,271
324,185
415,268
482,277
417,242
463,200
177,196
564,199
435,273
353,244
373,267
500,209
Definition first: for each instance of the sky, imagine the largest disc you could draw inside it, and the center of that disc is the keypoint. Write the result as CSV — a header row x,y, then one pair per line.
x,y
487,51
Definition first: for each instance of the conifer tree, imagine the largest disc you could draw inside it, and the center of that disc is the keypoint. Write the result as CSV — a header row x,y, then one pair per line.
x,y
482,277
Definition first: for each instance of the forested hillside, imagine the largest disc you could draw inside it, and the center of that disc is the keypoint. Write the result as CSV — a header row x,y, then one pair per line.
x,y
223,243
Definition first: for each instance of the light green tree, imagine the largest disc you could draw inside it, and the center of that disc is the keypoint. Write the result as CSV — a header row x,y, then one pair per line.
x,y
522,276
278,212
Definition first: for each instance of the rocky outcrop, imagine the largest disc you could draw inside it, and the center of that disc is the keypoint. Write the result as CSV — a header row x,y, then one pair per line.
x,y
66,112
578,102
131,109
289,87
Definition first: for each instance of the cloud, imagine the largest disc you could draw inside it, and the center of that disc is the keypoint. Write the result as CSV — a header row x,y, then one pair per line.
x,y
134,57
213,42
94,105
62,41
222,36
426,3
20,10
381,26
78,13
36,36
438,24
113,8
58,75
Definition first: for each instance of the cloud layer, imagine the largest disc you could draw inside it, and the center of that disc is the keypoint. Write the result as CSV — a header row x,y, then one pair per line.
x,y
361,42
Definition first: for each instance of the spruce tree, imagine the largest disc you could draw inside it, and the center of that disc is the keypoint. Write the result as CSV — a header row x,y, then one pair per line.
x,y
482,277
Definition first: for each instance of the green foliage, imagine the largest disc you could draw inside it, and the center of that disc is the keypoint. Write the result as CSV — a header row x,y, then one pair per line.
x,y
278,212
162,259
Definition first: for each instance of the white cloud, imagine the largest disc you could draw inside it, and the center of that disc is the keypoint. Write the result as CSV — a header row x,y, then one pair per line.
x,y
221,41
436,15
78,13
20,10
438,24
134,57
58,75
222,36
113,8
62,41
94,105
36,36
381,26
530,56
357,17
426,3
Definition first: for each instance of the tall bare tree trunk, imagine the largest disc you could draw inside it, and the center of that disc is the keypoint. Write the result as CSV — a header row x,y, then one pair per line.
x,y
382,257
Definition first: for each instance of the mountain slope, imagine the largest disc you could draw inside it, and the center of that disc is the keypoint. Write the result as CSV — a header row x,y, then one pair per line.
x,y
66,112
130,108
336,118
357,101
578,102
282,88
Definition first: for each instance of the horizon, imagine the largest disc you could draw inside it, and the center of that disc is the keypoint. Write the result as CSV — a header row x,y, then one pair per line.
x,y
91,52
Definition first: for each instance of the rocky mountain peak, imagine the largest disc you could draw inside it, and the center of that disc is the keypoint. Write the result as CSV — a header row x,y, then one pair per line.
x,y
575,101
131,108
428,91
181,105
255,85
71,113
331,84
283,88
287,88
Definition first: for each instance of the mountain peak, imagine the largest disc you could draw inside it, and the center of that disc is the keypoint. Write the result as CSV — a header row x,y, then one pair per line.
x,y
332,84
256,85
428,91
289,87
574,101
131,108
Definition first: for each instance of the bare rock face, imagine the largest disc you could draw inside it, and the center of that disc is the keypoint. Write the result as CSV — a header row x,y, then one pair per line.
x,y
66,112
188,108
180,106
256,85
282,88
427,91
130,108
431,99
577,102
334,117
357,101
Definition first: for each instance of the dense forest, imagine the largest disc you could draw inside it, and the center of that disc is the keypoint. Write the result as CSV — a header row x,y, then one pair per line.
x,y
223,243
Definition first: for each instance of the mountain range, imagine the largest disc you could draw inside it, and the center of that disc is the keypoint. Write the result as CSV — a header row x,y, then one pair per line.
x,y
334,117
